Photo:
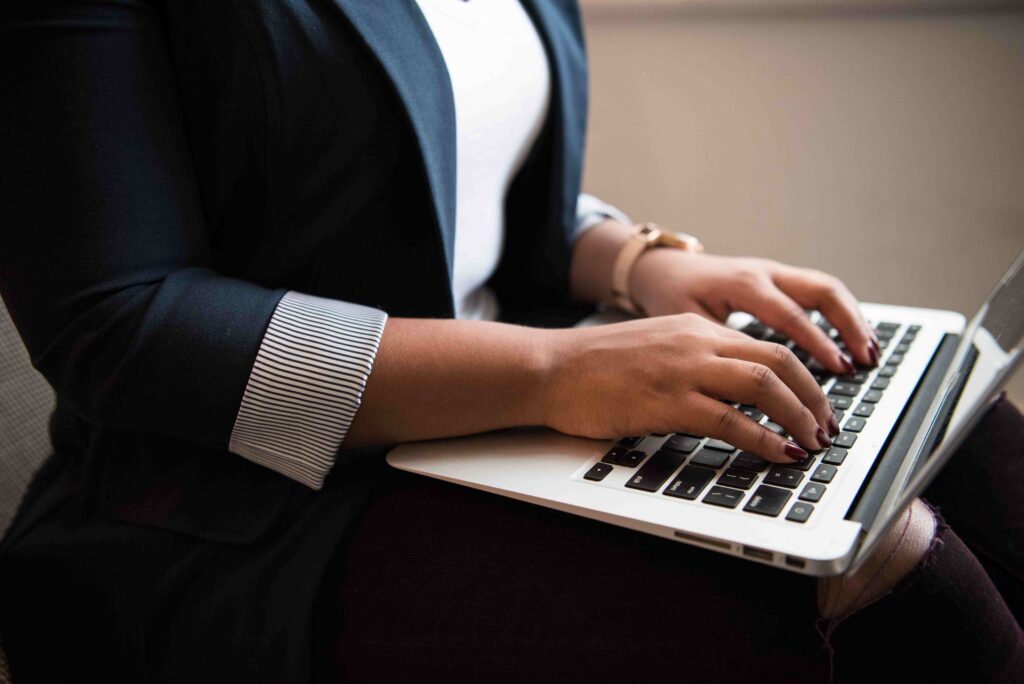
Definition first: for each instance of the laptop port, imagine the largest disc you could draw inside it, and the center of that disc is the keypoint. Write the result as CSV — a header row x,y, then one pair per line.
x,y
702,540
795,562
760,554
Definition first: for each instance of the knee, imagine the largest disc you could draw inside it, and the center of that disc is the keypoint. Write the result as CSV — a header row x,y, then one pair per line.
x,y
901,550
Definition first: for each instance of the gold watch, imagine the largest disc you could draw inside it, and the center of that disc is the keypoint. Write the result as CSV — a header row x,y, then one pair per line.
x,y
645,236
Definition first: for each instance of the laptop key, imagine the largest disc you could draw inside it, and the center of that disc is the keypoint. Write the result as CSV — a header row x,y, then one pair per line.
x,y
775,427
902,348
800,512
681,443
598,472
894,360
749,461
886,371
656,471
813,491
710,458
855,424
845,439
835,456
690,482
872,396
864,410
880,384
846,389
803,465
719,445
632,459
824,473
757,329
784,477
630,442
840,402
751,412
613,456
738,478
857,378
723,496
768,500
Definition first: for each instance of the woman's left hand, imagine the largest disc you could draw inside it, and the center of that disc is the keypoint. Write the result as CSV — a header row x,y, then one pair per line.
x,y
670,281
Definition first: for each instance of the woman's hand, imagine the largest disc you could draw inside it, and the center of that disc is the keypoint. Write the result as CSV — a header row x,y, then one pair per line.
x,y
670,373
668,281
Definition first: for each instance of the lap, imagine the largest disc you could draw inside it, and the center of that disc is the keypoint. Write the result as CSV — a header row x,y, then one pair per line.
x,y
453,579
980,494
459,580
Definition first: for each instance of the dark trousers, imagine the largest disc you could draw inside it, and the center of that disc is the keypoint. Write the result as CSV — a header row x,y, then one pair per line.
x,y
441,580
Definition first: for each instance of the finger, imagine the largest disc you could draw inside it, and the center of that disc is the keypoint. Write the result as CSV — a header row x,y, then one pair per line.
x,y
706,416
758,385
787,366
776,309
813,289
702,310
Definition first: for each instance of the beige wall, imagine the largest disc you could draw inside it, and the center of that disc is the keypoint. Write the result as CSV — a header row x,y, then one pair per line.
x,y
886,147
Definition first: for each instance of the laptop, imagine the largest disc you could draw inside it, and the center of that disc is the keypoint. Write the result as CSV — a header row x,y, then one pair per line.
x,y
901,422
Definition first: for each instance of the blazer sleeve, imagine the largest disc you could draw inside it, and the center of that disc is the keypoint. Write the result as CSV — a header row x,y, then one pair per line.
x,y
106,265
590,211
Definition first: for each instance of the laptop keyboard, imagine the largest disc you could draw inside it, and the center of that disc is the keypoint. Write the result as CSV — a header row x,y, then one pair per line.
x,y
709,471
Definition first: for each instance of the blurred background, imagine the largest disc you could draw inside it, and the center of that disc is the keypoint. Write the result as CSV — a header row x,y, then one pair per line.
x,y
882,141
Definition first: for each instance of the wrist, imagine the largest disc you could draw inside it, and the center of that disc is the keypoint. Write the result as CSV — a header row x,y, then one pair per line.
x,y
644,239
554,354
547,353
652,273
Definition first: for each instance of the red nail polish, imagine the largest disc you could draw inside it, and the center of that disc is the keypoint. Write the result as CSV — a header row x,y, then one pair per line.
x,y
794,451
823,441
874,357
833,425
846,362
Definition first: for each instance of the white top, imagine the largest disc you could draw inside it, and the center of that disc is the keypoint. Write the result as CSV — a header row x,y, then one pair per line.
x,y
501,84
317,353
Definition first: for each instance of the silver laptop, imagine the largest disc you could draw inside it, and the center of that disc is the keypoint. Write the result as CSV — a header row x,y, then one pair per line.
x,y
900,423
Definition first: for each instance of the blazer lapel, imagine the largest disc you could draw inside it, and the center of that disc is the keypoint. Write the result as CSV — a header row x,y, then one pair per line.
x,y
399,36
403,43
560,27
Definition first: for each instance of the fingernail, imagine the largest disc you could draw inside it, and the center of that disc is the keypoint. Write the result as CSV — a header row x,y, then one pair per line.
x,y
823,440
833,425
794,451
846,362
874,356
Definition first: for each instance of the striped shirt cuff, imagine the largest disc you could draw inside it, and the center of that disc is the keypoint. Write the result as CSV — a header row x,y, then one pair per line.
x,y
590,211
306,385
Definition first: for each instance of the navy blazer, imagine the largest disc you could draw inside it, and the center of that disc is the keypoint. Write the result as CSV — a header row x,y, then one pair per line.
x,y
169,171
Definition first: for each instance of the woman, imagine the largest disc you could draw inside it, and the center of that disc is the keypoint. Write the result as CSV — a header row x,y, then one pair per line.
x,y
241,234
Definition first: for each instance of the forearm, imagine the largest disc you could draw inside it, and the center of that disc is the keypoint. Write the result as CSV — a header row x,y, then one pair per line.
x,y
593,257
437,378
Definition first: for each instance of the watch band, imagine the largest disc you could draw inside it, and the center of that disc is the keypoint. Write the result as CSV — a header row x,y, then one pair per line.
x,y
645,236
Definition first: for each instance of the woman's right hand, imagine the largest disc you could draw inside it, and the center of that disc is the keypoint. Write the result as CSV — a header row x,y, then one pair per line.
x,y
670,374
